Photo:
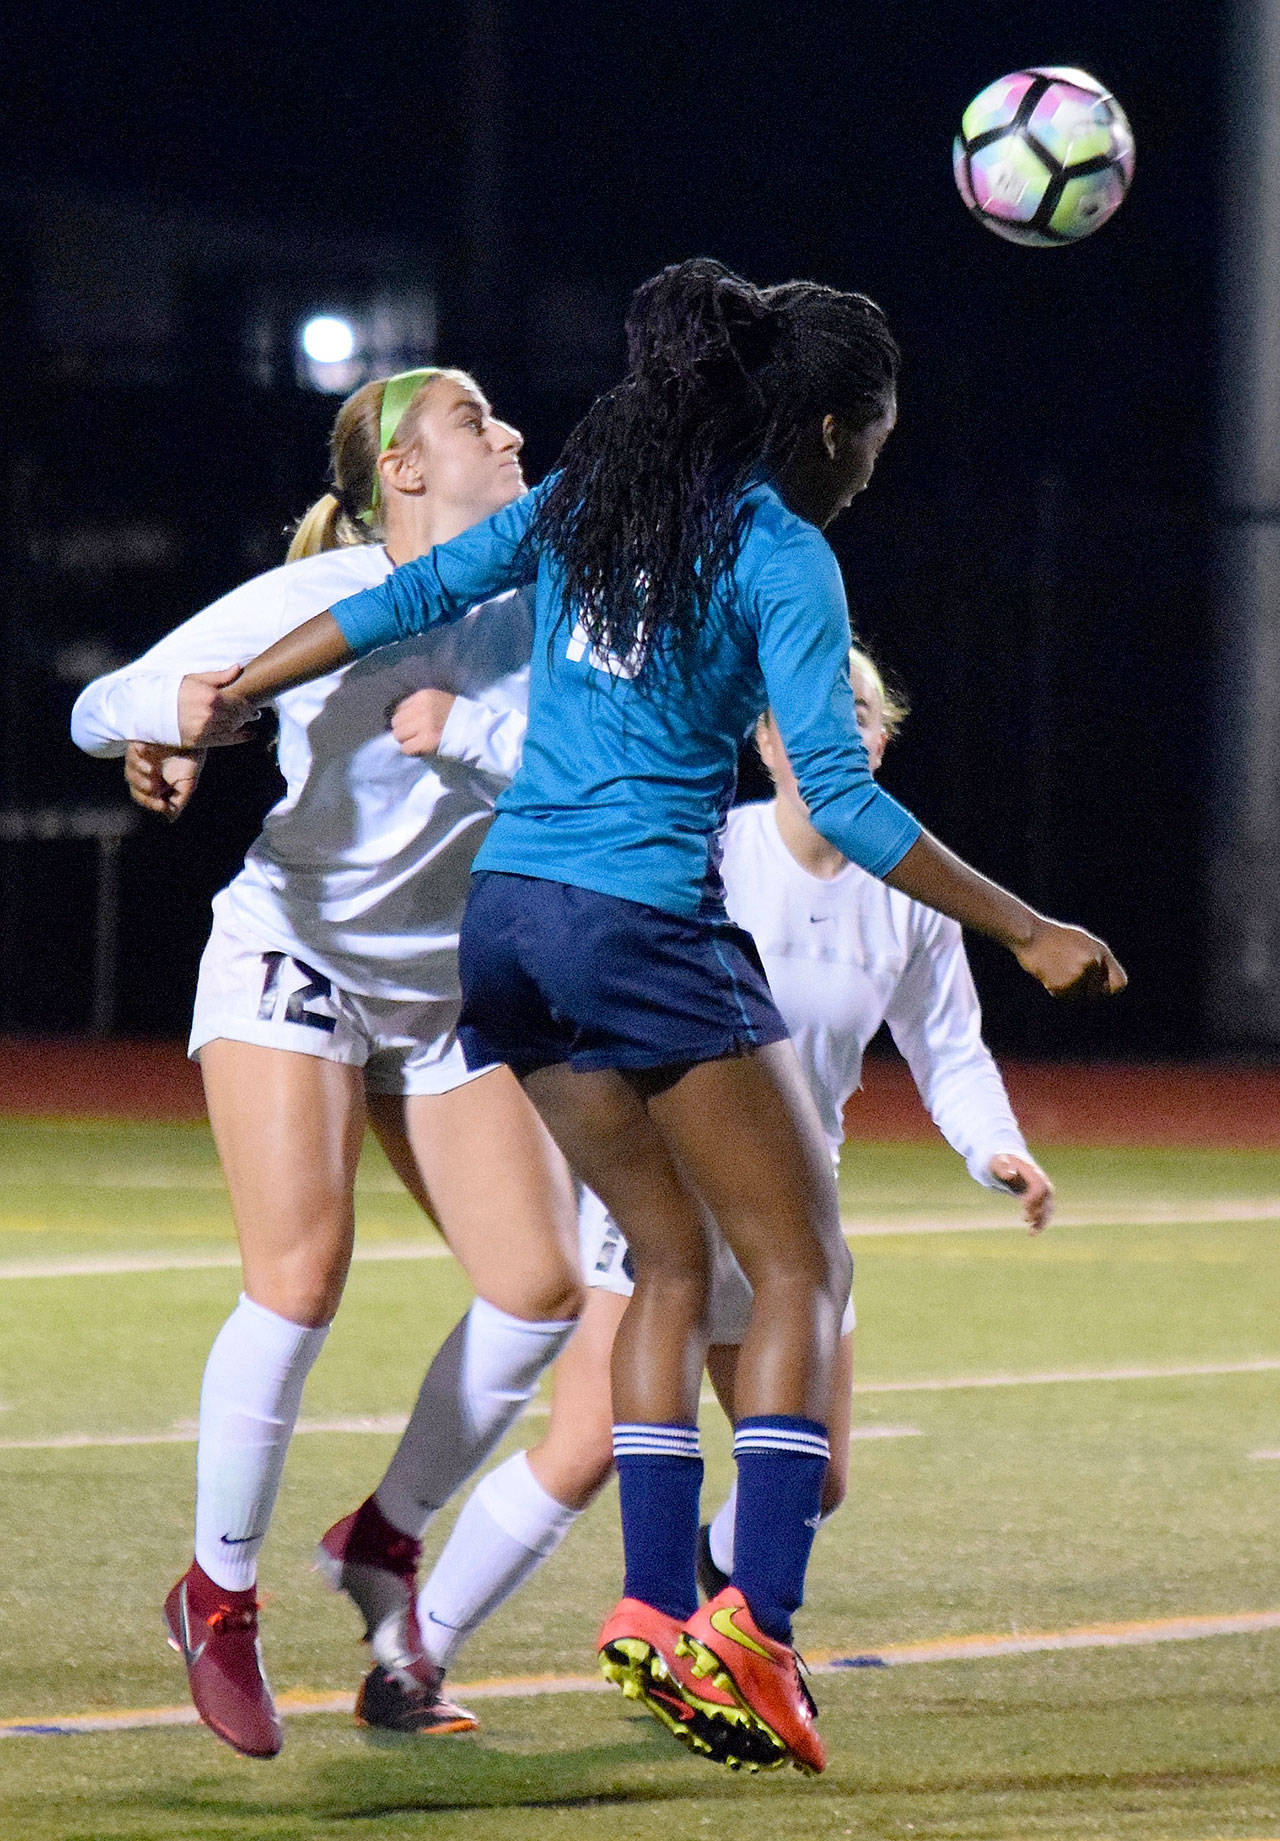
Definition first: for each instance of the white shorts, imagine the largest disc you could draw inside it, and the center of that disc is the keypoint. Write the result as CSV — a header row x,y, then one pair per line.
x,y
246,993
606,1264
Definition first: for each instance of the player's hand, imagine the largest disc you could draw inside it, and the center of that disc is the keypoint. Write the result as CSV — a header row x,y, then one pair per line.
x,y
161,779
211,716
1025,1179
418,720
1069,962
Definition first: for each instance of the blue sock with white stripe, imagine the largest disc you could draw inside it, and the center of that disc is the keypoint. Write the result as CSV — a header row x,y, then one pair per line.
x,y
659,1483
782,1460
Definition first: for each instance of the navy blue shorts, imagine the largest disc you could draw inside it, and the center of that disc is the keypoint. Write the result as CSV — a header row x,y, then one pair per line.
x,y
554,973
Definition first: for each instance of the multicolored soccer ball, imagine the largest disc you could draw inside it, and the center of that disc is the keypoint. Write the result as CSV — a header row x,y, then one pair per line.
x,y
1043,156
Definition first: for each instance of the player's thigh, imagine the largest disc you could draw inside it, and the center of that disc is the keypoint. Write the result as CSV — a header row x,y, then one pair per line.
x,y
574,1457
480,1161
288,1129
746,1131
602,1124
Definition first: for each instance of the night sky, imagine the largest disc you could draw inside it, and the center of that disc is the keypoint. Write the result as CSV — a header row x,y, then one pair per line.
x,y
1034,555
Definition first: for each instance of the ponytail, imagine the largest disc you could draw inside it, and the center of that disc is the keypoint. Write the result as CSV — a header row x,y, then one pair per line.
x,y
319,529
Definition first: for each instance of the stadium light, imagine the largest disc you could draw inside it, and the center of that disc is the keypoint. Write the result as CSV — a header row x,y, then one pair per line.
x,y
328,339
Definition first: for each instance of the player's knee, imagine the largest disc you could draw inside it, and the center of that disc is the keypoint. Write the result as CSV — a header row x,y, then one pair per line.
x,y
309,1303
678,1287
554,1295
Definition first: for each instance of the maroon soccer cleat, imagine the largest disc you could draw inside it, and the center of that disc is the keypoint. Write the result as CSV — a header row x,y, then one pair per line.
x,y
216,1634
722,1644
377,1567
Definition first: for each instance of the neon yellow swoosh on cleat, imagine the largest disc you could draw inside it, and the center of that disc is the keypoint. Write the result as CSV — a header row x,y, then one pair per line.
x,y
722,1621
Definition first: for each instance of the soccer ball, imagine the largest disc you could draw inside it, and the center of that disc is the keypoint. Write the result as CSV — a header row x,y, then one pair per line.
x,y
1043,156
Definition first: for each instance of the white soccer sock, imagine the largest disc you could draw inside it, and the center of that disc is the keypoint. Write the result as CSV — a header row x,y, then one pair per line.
x,y
721,1536
249,1400
484,1373
508,1527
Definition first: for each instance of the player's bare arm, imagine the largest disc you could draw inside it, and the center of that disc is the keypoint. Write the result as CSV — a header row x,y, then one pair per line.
x,y
1066,960
212,720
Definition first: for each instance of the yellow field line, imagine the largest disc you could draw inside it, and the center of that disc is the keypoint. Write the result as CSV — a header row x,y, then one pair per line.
x,y
893,1655
1083,1636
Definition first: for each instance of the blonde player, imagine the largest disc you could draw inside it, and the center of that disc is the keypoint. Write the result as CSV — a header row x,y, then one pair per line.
x,y
843,953
328,994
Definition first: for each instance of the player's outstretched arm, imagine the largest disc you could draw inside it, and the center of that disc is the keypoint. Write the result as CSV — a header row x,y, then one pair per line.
x,y
309,651
1067,961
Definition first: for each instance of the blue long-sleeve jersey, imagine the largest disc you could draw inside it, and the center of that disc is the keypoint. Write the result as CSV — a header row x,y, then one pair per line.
x,y
626,780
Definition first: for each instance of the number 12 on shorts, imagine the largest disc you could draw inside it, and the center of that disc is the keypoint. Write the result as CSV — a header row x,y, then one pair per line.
x,y
299,988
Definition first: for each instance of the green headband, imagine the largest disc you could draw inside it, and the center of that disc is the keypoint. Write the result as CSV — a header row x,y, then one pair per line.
x,y
397,394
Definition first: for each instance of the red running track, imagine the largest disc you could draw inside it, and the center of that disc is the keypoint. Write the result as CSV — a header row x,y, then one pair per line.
x,y
1208,1104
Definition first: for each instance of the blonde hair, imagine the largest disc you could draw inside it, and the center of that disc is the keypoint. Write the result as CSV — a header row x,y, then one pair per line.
x,y
894,707
355,443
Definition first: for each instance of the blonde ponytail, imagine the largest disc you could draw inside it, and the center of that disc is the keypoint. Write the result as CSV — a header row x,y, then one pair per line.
x,y
318,529
353,457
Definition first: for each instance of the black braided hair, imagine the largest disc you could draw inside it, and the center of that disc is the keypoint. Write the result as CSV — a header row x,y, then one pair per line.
x,y
723,381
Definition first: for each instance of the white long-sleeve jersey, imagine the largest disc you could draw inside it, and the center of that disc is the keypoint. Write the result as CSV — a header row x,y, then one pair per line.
x,y
361,869
844,955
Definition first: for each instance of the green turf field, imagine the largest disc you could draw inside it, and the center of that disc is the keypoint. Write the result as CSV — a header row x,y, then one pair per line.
x,y
1094,1467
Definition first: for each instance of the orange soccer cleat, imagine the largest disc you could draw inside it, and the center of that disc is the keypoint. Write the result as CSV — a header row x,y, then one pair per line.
x,y
638,1649
723,1646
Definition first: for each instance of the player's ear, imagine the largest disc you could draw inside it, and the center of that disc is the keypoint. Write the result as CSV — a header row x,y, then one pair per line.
x,y
401,468
830,436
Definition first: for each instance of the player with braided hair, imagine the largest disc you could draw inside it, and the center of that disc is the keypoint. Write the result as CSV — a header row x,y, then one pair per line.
x,y
596,956
843,953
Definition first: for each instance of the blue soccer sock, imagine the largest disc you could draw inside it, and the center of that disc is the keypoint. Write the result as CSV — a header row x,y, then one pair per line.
x,y
659,1484
782,1460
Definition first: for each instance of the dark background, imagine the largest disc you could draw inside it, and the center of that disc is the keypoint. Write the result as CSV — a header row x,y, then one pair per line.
x,y
1034,558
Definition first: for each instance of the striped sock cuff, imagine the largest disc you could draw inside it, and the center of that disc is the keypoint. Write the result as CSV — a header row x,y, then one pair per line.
x,y
656,1441
781,1432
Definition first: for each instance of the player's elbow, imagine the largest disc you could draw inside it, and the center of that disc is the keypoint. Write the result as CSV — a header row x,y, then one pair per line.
x,y
87,733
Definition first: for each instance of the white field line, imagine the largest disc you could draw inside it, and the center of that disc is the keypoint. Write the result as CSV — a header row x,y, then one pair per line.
x,y
208,1179
1055,1377
1210,1209
106,1265
893,1655
185,1433
387,1424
